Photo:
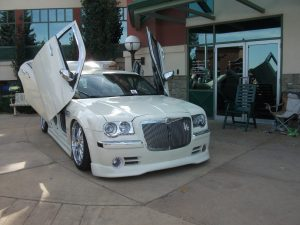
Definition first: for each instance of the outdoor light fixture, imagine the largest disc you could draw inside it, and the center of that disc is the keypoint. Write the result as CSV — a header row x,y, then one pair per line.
x,y
132,44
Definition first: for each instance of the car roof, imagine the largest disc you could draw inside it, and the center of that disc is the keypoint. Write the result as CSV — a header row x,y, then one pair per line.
x,y
98,67
97,72
93,65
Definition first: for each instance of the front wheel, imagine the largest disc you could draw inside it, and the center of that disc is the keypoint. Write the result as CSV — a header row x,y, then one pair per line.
x,y
79,147
44,125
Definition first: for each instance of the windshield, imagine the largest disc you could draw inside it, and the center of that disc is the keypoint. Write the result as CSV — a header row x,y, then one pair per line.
x,y
113,84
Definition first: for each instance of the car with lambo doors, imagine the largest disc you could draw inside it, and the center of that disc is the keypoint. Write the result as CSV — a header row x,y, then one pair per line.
x,y
113,122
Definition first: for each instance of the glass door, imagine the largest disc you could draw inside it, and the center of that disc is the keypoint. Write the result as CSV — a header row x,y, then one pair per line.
x,y
248,62
263,69
229,71
201,80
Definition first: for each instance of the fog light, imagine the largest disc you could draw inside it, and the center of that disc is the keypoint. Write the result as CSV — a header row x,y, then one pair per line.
x,y
203,148
117,162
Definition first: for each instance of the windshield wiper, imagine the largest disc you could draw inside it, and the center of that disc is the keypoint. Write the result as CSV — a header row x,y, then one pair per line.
x,y
82,92
87,95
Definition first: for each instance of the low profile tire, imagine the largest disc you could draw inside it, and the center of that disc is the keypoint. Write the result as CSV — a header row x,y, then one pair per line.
x,y
79,147
44,125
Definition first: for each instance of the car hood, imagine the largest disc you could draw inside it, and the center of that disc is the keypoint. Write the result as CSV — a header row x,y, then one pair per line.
x,y
118,108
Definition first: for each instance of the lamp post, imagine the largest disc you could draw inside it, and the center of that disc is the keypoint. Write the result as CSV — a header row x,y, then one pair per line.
x,y
132,44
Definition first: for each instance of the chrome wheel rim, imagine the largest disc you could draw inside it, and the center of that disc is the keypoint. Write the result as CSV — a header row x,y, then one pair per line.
x,y
77,143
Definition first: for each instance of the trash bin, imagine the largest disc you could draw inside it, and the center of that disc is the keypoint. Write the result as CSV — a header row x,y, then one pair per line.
x,y
4,104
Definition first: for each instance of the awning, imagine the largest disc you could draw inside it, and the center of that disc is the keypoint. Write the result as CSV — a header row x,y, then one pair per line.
x,y
141,10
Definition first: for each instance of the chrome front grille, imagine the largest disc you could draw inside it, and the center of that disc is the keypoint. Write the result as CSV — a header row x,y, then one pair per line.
x,y
168,134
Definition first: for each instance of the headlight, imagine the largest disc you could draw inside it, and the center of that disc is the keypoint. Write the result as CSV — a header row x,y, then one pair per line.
x,y
199,120
110,129
124,127
113,129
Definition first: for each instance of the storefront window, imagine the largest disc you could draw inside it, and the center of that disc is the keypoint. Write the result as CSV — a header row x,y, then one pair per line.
x,y
201,58
69,15
55,27
40,31
7,34
201,42
123,17
60,15
248,35
248,49
44,23
202,38
52,15
201,67
7,28
249,30
44,15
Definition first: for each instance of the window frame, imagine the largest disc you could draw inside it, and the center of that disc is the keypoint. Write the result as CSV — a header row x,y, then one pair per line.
x,y
7,22
48,22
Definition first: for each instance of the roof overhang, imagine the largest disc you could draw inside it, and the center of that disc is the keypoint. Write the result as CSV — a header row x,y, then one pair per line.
x,y
252,5
141,10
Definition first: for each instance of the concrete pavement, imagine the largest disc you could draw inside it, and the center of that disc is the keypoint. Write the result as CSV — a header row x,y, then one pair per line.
x,y
252,178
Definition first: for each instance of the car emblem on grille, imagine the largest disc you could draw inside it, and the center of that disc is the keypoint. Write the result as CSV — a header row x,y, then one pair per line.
x,y
186,127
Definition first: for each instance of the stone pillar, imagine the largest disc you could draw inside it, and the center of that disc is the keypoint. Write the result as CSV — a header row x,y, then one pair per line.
x,y
290,83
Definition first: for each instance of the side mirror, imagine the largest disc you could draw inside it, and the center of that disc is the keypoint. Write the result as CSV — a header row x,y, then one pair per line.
x,y
168,75
66,74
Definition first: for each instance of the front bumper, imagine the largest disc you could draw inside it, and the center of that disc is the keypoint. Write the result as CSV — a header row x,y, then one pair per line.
x,y
139,160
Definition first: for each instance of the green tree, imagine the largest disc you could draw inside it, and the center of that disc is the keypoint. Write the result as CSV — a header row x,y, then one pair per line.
x,y
24,37
7,30
101,28
28,32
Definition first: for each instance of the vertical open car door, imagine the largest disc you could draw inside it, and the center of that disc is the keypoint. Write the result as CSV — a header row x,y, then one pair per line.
x,y
55,84
157,58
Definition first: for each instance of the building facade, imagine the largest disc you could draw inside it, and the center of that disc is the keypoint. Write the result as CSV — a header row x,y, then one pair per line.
x,y
213,45
42,19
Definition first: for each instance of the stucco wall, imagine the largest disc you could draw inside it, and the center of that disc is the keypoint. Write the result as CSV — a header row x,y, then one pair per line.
x,y
6,71
39,4
231,10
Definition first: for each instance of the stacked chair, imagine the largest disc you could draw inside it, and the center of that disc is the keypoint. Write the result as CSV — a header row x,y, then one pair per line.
x,y
242,105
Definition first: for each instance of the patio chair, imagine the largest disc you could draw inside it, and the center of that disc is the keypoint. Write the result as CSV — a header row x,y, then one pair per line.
x,y
243,105
290,110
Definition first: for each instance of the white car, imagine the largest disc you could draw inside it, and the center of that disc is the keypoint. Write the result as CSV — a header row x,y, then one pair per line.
x,y
111,121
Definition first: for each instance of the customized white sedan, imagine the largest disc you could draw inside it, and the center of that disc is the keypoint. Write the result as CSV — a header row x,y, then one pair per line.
x,y
111,121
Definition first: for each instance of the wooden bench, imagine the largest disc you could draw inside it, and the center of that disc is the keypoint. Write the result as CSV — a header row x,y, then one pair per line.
x,y
19,101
